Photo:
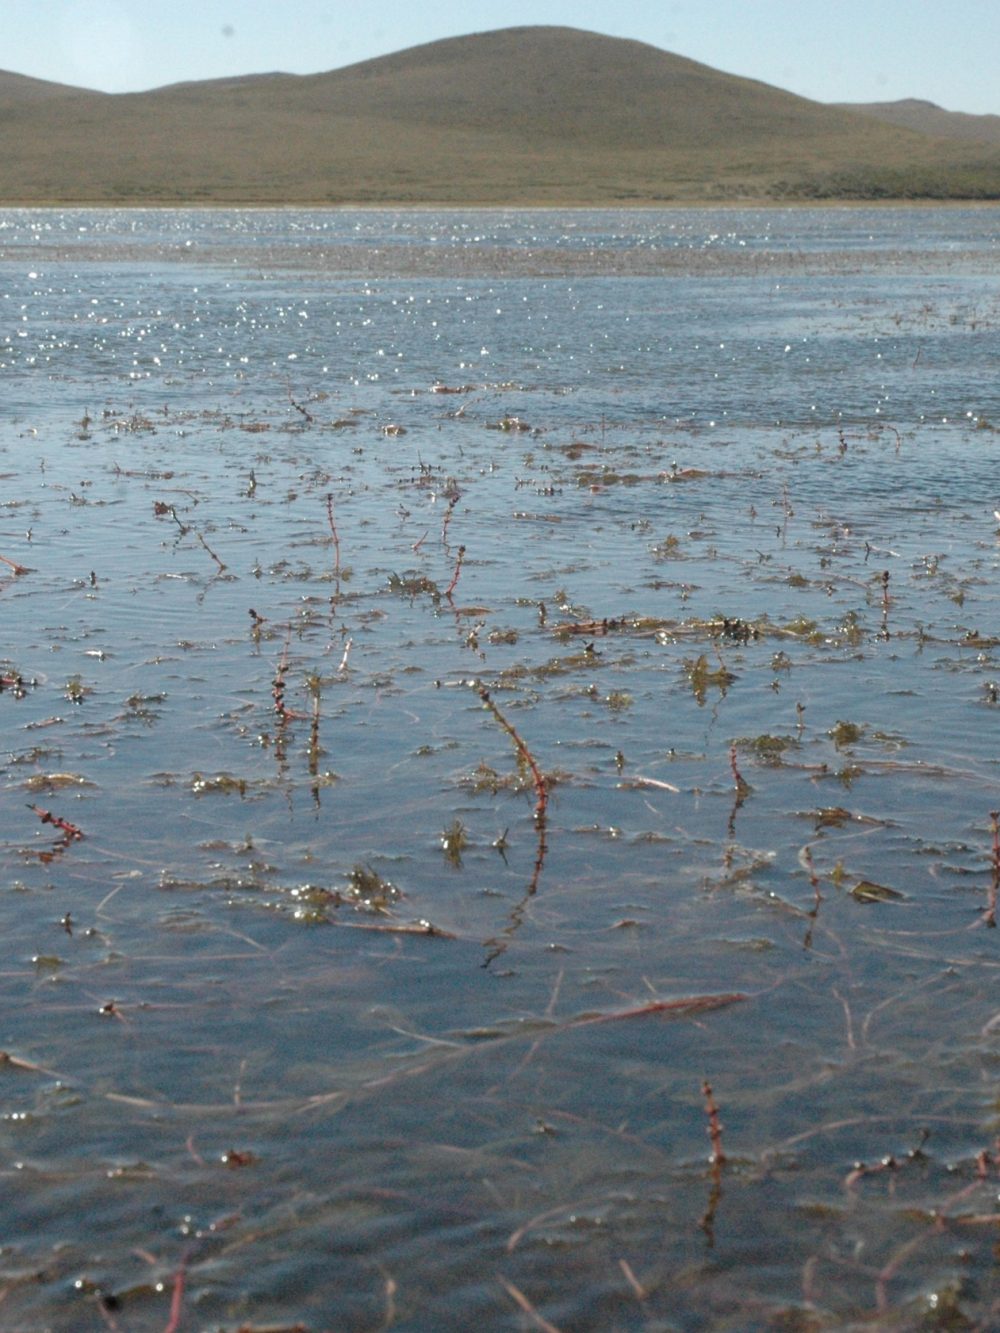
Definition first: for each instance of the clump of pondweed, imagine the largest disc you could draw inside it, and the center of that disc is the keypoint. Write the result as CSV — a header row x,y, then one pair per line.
x,y
735,629
487,779
454,841
76,691
554,666
851,630
767,749
701,676
618,701
368,890
225,784
801,627
410,584
668,549
312,904
846,733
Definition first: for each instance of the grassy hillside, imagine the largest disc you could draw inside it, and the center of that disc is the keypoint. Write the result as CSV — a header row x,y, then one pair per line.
x,y
926,118
540,115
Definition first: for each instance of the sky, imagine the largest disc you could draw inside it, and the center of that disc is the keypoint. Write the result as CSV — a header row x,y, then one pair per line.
x,y
946,51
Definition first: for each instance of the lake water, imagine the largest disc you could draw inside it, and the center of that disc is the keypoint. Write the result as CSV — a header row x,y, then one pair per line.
x,y
366,1000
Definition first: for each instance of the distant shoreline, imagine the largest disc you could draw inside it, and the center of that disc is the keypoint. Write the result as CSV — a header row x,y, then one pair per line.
x,y
527,117
520,205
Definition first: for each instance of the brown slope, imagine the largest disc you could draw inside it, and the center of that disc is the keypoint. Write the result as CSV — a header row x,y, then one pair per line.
x,y
21,88
565,84
224,84
524,114
927,118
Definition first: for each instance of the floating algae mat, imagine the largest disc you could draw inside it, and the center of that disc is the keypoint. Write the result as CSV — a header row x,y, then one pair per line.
x,y
501,729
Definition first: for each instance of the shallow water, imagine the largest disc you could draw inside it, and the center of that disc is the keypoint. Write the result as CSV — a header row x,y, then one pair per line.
x,y
329,1020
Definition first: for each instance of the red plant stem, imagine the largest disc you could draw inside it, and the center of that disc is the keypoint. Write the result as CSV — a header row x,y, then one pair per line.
x,y
336,538
990,916
285,714
220,563
519,1298
807,861
278,689
298,406
688,1004
47,817
742,786
522,749
18,569
447,519
458,569
807,857
714,1124
314,738
177,1300
501,942
160,508
942,1215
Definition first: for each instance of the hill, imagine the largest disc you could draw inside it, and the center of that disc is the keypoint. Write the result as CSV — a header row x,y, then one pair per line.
x,y
926,118
19,88
523,115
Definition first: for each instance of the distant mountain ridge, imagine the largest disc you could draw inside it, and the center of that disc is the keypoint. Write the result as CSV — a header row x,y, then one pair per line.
x,y
522,115
913,113
22,87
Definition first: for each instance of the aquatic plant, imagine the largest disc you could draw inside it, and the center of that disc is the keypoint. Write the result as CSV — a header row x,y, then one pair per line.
x,y
541,790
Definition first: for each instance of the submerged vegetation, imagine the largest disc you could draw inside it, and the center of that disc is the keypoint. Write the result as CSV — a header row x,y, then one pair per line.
x,y
438,892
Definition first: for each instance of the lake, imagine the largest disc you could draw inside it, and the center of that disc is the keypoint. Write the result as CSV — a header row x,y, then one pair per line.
x,y
501,769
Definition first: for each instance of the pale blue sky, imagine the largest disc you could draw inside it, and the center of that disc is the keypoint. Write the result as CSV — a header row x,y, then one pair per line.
x,y
947,51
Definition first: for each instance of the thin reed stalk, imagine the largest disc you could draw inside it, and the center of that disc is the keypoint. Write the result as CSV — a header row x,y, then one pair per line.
x,y
336,538
541,791
455,577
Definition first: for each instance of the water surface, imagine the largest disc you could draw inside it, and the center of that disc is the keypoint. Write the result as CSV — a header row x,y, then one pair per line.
x,y
335,1017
